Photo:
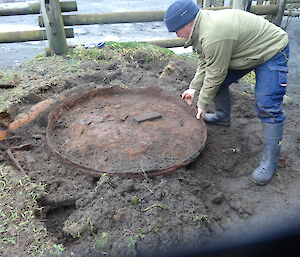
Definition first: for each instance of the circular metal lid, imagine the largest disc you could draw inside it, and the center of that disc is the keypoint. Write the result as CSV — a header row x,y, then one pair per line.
x,y
125,132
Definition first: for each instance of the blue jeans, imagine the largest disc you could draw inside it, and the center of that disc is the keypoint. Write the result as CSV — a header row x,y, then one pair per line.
x,y
270,87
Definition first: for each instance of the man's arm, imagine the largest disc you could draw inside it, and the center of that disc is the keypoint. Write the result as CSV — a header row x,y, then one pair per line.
x,y
197,81
217,59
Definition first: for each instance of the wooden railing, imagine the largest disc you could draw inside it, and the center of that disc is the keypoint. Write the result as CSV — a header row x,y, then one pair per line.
x,y
54,21
27,8
32,8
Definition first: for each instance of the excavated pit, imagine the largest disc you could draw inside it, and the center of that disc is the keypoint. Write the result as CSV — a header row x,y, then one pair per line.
x,y
126,132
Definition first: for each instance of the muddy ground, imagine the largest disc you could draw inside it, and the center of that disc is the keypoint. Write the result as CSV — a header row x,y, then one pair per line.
x,y
208,203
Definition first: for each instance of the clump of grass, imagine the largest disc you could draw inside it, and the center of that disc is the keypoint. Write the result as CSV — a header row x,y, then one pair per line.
x,y
249,78
134,200
124,50
138,46
201,218
50,65
132,242
20,232
141,233
103,242
9,79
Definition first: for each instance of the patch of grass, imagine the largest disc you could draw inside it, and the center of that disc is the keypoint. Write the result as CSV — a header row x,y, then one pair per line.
x,y
103,242
38,73
138,46
132,241
51,65
134,200
86,54
120,50
41,72
139,51
201,218
249,78
141,233
9,79
21,234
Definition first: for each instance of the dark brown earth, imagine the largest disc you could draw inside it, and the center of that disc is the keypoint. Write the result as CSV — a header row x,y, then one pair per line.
x,y
208,203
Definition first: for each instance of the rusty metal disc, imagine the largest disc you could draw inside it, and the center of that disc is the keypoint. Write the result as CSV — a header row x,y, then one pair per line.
x,y
100,131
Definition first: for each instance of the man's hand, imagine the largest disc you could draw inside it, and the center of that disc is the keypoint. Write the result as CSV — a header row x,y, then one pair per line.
x,y
200,113
188,95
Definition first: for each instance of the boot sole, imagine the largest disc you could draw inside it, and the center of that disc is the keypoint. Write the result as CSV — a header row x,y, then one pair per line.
x,y
256,183
218,123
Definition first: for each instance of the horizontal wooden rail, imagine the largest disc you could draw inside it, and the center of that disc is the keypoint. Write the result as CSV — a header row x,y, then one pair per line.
x,y
167,43
110,18
292,13
103,18
29,35
32,8
295,5
293,1
142,16
264,9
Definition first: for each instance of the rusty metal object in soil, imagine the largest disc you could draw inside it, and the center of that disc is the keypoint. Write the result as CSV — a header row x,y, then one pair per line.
x,y
89,132
24,119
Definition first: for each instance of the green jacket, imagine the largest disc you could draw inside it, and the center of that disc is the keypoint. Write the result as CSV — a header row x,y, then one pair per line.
x,y
230,39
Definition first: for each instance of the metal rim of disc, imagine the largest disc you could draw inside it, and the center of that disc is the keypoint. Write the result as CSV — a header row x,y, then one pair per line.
x,y
77,98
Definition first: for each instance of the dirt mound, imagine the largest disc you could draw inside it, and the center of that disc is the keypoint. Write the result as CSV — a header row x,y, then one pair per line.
x,y
210,200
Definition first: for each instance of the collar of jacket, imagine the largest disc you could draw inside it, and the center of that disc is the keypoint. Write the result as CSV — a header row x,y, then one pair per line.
x,y
194,33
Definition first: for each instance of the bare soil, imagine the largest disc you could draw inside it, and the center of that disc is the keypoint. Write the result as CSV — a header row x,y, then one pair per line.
x,y
208,203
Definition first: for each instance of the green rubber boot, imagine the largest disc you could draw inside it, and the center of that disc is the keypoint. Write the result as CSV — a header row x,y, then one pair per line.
x,y
272,136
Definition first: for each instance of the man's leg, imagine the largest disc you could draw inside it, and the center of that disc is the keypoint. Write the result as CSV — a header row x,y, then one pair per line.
x,y
271,80
222,100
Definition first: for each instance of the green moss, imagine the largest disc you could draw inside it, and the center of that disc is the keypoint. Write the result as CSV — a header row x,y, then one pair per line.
x,y
119,49
18,207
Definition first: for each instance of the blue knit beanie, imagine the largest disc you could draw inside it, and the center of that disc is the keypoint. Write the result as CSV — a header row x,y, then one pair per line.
x,y
180,13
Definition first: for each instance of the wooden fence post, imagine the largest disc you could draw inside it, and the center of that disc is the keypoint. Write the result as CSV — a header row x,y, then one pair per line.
x,y
53,21
200,3
206,3
240,4
269,2
277,19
